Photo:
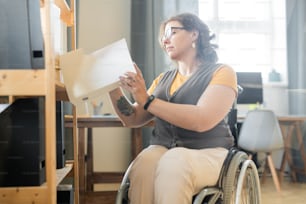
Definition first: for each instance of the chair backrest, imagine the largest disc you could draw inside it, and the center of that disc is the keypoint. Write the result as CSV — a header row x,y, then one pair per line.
x,y
260,132
232,122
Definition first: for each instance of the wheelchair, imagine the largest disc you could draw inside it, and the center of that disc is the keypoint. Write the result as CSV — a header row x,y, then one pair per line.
x,y
238,183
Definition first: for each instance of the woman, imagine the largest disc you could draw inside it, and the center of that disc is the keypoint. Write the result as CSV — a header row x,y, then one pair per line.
x,y
189,104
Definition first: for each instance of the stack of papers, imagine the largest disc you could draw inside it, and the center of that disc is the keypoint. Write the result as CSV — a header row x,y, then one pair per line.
x,y
88,76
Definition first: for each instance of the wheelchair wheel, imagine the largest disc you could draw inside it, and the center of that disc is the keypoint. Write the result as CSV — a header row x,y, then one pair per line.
x,y
122,194
230,179
241,183
248,188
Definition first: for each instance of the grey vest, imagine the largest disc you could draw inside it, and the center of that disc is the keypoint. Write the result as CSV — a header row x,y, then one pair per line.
x,y
169,135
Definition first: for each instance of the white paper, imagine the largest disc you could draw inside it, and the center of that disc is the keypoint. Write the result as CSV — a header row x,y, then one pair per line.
x,y
87,76
3,107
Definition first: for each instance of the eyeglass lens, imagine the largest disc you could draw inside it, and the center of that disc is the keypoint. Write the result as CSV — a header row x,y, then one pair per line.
x,y
169,32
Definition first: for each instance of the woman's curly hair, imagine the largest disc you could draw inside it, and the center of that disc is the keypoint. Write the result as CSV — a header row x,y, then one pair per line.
x,y
205,49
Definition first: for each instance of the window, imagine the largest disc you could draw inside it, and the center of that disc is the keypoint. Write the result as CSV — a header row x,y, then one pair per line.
x,y
251,34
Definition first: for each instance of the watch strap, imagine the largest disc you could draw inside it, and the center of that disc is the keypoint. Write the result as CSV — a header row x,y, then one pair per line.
x,y
149,101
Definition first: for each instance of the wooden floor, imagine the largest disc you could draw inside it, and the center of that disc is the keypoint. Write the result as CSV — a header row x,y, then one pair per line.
x,y
291,193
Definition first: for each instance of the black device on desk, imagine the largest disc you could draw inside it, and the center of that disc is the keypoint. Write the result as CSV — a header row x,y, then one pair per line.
x,y
251,83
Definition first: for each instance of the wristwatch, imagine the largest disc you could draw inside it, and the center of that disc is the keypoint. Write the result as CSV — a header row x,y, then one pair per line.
x,y
149,101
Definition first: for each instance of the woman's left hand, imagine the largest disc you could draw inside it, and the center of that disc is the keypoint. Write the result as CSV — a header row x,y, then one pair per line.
x,y
135,84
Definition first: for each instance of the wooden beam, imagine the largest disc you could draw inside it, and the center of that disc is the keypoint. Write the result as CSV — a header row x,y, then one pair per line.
x,y
66,13
25,194
22,82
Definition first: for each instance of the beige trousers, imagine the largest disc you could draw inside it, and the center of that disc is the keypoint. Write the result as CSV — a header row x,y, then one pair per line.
x,y
172,176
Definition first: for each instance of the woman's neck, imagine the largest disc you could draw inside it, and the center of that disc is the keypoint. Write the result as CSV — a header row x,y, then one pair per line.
x,y
187,69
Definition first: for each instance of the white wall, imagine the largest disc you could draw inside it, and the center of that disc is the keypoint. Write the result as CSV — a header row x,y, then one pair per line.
x,y
102,22
276,98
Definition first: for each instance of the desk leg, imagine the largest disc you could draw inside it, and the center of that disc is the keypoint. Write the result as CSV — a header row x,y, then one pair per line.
x,y
301,144
287,135
75,158
89,162
81,158
284,159
136,142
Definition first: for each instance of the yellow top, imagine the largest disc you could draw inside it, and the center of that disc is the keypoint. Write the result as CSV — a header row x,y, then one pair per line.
x,y
224,75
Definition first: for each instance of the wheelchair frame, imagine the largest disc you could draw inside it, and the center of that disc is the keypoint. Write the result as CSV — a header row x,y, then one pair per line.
x,y
238,183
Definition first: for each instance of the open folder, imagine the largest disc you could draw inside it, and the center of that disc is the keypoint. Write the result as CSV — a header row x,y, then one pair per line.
x,y
87,76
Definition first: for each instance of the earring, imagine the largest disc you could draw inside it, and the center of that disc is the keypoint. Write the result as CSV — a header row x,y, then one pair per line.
x,y
193,45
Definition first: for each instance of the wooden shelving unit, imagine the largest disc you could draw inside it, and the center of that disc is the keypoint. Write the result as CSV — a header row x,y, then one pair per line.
x,y
62,173
42,82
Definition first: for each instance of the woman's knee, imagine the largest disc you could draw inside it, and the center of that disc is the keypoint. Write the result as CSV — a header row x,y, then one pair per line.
x,y
151,154
175,161
148,159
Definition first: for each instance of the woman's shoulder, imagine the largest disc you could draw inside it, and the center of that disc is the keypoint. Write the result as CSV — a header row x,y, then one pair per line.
x,y
225,75
225,70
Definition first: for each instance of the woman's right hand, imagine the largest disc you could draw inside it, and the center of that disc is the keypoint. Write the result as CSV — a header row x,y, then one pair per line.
x,y
135,84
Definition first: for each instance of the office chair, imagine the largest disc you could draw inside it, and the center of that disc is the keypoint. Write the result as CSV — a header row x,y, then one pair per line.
x,y
260,132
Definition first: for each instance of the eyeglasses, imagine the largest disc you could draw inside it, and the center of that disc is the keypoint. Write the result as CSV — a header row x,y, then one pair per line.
x,y
170,32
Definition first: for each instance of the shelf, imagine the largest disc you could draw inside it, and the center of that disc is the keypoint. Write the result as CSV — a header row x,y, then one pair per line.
x,y
32,194
43,82
22,82
28,82
63,172
61,93
27,195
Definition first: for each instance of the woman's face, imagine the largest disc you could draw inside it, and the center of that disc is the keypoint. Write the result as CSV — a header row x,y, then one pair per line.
x,y
176,40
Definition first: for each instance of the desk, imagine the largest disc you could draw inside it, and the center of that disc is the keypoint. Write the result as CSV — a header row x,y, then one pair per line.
x,y
87,177
288,125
